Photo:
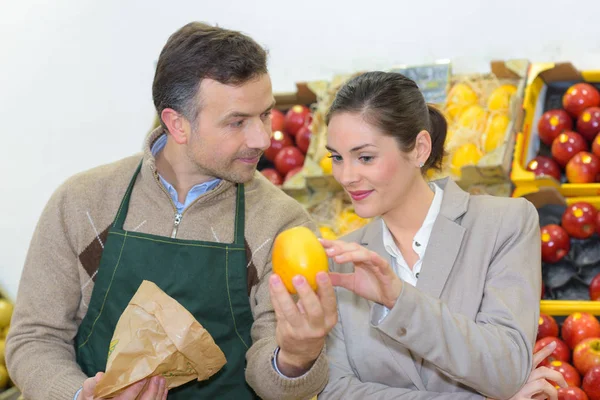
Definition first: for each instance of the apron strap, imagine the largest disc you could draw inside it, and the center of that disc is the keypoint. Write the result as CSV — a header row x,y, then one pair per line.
x,y
124,207
240,215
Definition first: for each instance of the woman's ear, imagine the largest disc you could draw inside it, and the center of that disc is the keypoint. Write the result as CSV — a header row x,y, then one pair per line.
x,y
422,148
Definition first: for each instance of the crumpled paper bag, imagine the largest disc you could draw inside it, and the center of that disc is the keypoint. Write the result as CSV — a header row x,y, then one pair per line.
x,y
156,335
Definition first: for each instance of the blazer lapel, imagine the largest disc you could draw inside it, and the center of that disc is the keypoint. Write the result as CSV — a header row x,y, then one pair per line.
x,y
445,241
373,240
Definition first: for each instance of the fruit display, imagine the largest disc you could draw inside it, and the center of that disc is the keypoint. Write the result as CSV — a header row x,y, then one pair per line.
x,y
577,355
562,124
6,309
570,246
479,110
291,135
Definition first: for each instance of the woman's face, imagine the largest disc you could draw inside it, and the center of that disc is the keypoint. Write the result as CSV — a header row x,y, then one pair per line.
x,y
370,165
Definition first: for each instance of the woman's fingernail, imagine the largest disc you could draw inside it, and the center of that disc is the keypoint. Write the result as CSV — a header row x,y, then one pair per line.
x,y
330,250
552,345
298,280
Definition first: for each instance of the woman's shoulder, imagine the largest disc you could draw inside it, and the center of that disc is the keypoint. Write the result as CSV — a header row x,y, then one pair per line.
x,y
500,210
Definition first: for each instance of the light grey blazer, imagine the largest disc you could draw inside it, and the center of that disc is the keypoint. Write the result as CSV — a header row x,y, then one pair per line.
x,y
469,326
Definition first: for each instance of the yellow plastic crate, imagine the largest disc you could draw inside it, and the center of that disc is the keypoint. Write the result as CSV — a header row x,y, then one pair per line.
x,y
527,141
559,308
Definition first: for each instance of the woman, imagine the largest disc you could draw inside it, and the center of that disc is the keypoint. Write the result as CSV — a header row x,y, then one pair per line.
x,y
438,296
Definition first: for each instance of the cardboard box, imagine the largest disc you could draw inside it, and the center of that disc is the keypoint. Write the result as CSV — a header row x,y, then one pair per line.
x,y
495,166
546,84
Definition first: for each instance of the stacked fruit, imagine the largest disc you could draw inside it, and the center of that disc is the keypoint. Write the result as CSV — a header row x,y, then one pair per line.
x,y
569,137
577,353
6,309
289,143
570,251
478,111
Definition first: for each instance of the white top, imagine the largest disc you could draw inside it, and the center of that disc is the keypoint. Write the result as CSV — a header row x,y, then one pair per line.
x,y
419,244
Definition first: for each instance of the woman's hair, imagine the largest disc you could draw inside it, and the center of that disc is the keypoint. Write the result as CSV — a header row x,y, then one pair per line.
x,y
394,104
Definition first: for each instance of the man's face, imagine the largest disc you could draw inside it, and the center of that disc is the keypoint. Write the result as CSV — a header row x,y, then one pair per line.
x,y
233,128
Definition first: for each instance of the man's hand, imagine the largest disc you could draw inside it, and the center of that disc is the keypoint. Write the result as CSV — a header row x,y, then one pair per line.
x,y
150,389
302,327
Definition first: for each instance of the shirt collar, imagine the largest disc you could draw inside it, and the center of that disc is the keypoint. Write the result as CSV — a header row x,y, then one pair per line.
x,y
421,239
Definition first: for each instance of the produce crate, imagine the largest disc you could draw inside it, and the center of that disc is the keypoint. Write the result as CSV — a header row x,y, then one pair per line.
x,y
546,84
494,167
551,203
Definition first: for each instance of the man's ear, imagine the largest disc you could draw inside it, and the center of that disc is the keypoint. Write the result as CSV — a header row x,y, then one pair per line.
x,y
177,125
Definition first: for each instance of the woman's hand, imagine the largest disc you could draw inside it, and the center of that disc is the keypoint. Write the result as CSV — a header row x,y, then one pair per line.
x,y
537,386
373,277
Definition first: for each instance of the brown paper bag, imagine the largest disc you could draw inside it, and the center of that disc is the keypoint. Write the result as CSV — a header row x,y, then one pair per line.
x,y
156,335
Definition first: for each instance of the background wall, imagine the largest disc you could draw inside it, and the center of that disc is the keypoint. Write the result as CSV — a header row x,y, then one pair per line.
x,y
75,75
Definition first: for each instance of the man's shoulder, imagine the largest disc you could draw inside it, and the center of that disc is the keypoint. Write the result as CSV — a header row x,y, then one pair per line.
x,y
100,176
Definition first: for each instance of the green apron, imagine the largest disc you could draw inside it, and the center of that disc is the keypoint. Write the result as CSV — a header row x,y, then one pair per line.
x,y
208,279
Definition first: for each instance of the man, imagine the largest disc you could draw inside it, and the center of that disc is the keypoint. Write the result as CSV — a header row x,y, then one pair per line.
x,y
192,215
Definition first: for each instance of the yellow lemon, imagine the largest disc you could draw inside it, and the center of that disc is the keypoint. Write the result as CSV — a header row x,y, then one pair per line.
x,y
3,377
460,97
327,233
2,348
467,154
4,333
474,117
499,99
6,310
326,164
495,131
349,221
449,136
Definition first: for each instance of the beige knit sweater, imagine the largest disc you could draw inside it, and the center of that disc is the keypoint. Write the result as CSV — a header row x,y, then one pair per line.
x,y
64,256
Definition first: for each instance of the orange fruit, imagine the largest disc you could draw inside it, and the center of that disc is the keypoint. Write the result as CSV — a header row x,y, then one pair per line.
x,y
297,251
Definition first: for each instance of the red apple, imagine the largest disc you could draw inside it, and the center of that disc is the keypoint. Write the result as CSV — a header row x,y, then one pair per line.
x,y
552,124
277,120
547,326
279,140
595,285
561,353
571,393
586,355
578,327
588,123
292,172
287,159
303,139
583,168
579,97
596,146
591,383
272,175
555,243
566,145
544,166
579,220
568,372
296,118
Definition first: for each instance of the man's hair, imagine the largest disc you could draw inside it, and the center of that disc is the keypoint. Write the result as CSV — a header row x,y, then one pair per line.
x,y
198,51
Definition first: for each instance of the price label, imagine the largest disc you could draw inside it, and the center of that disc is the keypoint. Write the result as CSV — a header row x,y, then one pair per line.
x,y
432,79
